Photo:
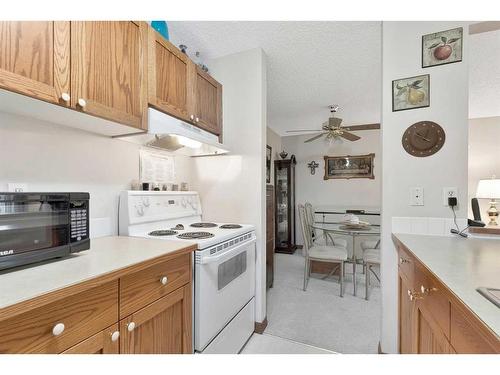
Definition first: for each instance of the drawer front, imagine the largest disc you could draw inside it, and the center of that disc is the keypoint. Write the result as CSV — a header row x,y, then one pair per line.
x,y
406,264
82,315
434,300
143,287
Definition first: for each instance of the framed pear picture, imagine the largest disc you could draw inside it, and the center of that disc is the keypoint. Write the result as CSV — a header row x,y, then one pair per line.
x,y
411,93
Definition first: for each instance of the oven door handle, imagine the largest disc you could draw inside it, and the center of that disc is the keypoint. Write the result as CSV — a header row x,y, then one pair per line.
x,y
228,254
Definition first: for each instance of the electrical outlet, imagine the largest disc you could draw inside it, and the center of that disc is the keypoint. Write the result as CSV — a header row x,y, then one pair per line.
x,y
449,192
17,187
417,196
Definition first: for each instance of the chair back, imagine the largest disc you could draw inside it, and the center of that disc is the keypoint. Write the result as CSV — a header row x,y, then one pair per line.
x,y
310,218
306,229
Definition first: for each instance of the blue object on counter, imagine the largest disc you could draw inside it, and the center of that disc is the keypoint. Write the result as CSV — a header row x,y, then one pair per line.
x,y
161,27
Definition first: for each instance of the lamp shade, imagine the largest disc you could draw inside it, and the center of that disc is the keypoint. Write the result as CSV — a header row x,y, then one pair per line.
x,y
488,189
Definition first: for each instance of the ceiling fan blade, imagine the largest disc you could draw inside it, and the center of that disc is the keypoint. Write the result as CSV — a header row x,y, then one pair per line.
x,y
349,136
315,137
362,127
304,130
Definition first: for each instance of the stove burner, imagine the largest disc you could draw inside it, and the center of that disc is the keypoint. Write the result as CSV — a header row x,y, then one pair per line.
x,y
195,235
230,226
203,225
162,232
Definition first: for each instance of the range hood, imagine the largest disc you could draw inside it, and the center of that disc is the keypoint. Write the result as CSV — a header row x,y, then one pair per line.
x,y
171,134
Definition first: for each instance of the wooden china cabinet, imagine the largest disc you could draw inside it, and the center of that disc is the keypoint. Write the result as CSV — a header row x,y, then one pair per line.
x,y
284,179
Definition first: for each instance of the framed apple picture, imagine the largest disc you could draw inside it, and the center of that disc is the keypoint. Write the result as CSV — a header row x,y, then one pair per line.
x,y
411,93
444,47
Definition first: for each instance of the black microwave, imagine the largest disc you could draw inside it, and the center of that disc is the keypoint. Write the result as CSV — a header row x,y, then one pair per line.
x,y
40,226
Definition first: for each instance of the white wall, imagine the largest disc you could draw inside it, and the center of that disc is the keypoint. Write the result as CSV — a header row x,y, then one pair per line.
x,y
355,193
484,156
232,187
50,157
401,57
274,140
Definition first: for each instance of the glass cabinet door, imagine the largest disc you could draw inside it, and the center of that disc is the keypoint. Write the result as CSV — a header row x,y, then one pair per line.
x,y
282,208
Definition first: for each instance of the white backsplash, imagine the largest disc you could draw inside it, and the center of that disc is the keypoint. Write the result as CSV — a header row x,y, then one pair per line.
x,y
436,226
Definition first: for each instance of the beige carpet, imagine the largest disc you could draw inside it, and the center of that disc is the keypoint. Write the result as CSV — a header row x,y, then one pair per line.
x,y
319,316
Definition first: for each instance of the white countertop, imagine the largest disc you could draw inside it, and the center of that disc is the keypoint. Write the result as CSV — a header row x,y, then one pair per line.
x,y
462,264
105,255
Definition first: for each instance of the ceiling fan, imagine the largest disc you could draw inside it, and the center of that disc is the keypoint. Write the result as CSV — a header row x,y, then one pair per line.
x,y
332,129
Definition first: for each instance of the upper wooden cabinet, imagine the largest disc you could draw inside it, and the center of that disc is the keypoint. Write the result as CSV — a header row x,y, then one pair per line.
x,y
167,77
207,100
108,70
34,59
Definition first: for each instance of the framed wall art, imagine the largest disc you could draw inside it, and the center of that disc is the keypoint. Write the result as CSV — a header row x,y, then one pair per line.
x,y
411,93
349,166
269,153
443,47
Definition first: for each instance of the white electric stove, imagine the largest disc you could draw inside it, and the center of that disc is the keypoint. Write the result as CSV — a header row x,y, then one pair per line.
x,y
224,264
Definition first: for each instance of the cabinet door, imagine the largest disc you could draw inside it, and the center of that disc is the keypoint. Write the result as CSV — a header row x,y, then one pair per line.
x,y
163,327
34,59
206,100
108,70
104,342
167,76
406,318
430,339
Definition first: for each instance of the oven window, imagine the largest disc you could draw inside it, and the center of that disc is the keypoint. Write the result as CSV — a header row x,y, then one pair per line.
x,y
33,225
231,269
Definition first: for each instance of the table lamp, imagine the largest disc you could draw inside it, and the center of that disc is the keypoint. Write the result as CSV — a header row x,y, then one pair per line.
x,y
490,189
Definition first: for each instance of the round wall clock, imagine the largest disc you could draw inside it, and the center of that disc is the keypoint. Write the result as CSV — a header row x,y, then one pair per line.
x,y
423,138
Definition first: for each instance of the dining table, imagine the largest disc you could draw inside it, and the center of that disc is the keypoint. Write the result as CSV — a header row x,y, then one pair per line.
x,y
339,228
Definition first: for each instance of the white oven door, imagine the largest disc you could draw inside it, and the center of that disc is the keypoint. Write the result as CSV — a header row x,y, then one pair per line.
x,y
224,284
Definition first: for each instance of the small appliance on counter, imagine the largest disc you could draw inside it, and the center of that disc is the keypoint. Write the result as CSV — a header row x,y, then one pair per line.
x,y
40,226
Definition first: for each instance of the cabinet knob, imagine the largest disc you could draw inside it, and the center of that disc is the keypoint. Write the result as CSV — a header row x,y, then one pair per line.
x,y
197,119
58,329
403,260
65,97
115,336
164,280
425,290
82,103
191,117
414,295
131,326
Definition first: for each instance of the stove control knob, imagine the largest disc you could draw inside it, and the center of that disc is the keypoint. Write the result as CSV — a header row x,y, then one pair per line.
x,y
140,210
145,201
183,202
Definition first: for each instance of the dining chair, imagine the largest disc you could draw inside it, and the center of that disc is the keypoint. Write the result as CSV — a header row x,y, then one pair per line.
x,y
323,239
371,257
320,253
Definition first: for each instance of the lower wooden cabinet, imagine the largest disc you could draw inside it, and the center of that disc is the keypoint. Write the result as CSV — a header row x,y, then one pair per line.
x,y
163,327
84,319
104,342
431,319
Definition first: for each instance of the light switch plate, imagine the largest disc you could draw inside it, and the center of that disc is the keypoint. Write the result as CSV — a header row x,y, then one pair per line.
x,y
449,192
417,196
17,187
